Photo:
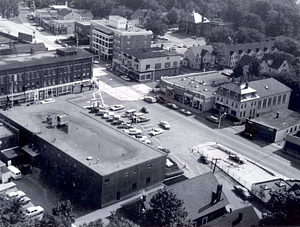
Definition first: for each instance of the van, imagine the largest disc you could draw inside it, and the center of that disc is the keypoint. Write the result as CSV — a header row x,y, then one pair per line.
x,y
212,119
15,173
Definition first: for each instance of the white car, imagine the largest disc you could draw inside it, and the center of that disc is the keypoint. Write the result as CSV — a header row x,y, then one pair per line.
x,y
164,124
133,131
150,99
33,211
156,131
116,107
125,78
145,139
16,195
47,101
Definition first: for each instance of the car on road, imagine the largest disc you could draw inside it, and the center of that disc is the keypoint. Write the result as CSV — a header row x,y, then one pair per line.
x,y
116,107
33,211
96,62
15,195
156,131
172,106
236,158
243,192
133,131
213,119
145,139
125,126
203,159
145,109
186,112
150,99
164,149
164,124
47,101
126,78
142,119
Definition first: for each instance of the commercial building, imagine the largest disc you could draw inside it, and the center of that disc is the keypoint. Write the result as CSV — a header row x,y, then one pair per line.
x,y
250,100
149,64
195,91
110,37
94,161
274,126
36,76
292,144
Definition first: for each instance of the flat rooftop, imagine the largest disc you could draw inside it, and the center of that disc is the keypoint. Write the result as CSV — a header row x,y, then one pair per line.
x,y
87,136
154,52
4,131
286,119
40,58
198,82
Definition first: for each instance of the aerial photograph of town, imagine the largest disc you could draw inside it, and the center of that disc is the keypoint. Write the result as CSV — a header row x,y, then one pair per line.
x,y
149,113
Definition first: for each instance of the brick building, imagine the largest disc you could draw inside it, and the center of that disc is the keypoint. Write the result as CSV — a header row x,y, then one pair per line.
x,y
94,161
41,75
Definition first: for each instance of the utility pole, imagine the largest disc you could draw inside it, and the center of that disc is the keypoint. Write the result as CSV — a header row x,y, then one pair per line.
x,y
215,164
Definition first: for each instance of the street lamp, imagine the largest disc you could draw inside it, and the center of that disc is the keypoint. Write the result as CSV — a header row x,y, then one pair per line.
x,y
219,127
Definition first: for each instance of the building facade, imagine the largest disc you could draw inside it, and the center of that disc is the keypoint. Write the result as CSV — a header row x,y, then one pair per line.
x,y
55,73
250,100
148,64
199,57
110,37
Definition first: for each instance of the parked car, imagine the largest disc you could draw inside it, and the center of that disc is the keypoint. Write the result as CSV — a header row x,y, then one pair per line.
x,y
145,109
145,139
15,195
25,200
248,135
116,107
164,149
156,131
243,192
164,124
150,99
33,211
236,158
186,112
125,78
142,119
213,119
124,126
133,131
172,106
203,159
47,101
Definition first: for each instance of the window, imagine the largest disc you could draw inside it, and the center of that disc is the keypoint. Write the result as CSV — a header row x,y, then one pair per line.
x,y
250,112
126,174
245,105
269,102
148,180
134,186
135,171
232,104
149,166
251,103
157,65
244,114
264,103
274,100
279,100
167,65
283,98
147,67
174,64
106,181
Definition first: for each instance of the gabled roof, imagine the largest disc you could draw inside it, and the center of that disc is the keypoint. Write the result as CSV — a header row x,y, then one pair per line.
x,y
250,46
64,12
276,61
245,60
197,201
195,18
248,218
201,50
140,13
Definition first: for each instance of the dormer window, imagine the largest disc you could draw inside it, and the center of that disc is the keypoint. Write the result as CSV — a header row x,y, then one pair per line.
x,y
221,90
228,93
236,96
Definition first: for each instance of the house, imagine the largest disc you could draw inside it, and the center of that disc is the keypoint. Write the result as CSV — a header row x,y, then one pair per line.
x,y
274,126
199,57
204,202
273,64
149,64
251,99
243,217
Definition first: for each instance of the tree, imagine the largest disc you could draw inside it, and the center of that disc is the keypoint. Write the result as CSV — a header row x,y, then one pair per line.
x,y
221,53
10,211
251,20
156,23
115,221
238,72
102,8
248,35
173,16
220,35
166,210
97,223
122,11
288,45
254,67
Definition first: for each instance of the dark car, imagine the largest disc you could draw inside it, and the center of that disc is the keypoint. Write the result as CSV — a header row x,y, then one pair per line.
x,y
145,110
203,159
248,135
243,192
236,159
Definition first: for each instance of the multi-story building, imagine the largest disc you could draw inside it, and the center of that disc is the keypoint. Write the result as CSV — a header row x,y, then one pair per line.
x,y
92,160
199,57
41,75
250,100
110,37
149,64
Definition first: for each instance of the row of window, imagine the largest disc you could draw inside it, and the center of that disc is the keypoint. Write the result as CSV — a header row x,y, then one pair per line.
x,y
167,65
276,100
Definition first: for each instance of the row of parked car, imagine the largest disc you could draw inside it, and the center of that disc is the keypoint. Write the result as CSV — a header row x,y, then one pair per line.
x,y
31,211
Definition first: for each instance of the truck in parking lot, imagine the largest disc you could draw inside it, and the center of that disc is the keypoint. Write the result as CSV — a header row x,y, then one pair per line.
x,y
15,173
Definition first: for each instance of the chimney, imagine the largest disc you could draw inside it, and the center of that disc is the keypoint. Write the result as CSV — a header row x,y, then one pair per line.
x,y
277,115
238,220
247,85
219,192
213,198
162,46
66,3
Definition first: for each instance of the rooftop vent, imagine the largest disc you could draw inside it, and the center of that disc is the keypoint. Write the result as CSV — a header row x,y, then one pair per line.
x,y
266,87
89,158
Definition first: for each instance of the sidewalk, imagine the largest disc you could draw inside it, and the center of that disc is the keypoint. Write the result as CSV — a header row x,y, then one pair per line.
x,y
105,212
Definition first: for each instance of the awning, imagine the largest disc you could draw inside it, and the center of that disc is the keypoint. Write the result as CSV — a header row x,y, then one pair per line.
x,y
29,151
12,153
